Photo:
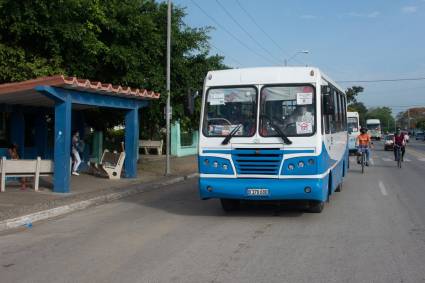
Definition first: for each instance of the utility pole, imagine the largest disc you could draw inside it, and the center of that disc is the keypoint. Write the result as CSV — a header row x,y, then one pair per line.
x,y
168,107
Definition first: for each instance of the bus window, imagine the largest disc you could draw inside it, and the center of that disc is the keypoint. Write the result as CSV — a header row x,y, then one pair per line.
x,y
353,124
228,108
291,108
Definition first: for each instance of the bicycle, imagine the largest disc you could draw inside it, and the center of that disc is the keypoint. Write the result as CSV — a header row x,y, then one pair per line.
x,y
362,158
398,155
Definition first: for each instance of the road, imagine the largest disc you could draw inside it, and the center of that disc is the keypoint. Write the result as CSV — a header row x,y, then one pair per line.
x,y
372,231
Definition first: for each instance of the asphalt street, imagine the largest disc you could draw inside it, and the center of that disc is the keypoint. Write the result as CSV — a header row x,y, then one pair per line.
x,y
372,231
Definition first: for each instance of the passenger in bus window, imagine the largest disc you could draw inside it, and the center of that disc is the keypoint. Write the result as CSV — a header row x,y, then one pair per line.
x,y
304,114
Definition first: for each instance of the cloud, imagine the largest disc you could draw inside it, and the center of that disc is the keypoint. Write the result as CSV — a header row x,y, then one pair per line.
x,y
409,9
369,15
373,14
310,17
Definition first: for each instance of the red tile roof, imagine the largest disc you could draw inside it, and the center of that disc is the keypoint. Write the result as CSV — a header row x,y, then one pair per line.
x,y
79,84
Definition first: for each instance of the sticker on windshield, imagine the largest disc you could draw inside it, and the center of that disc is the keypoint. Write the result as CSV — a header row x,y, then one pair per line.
x,y
216,98
304,128
304,98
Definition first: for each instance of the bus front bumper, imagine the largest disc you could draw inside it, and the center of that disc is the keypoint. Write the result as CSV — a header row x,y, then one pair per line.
x,y
278,189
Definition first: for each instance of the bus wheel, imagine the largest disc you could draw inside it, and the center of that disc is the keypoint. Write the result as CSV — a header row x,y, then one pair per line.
x,y
316,206
230,204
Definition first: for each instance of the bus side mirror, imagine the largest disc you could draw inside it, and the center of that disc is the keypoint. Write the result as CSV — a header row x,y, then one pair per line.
x,y
328,105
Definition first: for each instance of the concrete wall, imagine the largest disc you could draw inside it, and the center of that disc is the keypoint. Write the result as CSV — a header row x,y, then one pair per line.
x,y
176,148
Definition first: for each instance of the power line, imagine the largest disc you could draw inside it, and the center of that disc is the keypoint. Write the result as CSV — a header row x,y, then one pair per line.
x,y
263,31
229,33
400,106
258,26
231,58
384,80
397,90
246,32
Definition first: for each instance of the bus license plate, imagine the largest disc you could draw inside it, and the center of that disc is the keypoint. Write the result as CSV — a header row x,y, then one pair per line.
x,y
257,192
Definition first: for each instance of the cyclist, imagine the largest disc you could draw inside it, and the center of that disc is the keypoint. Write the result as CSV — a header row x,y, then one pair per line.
x,y
399,140
364,143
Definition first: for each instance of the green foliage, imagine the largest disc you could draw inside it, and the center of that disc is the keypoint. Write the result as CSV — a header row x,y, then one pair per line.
x,y
416,116
361,109
116,41
352,93
16,65
384,114
421,124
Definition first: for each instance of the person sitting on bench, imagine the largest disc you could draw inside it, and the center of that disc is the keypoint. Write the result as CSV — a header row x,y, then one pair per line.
x,y
13,154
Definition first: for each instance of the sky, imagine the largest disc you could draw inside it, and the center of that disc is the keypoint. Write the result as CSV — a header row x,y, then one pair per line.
x,y
348,40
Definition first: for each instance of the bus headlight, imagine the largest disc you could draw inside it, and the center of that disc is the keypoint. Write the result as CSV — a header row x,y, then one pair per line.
x,y
215,164
206,162
291,167
311,162
300,164
225,166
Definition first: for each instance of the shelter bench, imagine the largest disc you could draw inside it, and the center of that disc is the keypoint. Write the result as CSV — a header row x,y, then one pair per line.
x,y
111,163
148,144
25,168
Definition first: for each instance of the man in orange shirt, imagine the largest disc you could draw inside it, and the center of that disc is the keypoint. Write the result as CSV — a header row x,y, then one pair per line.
x,y
364,144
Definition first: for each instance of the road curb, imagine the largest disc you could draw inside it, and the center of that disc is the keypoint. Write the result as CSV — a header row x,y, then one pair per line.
x,y
27,220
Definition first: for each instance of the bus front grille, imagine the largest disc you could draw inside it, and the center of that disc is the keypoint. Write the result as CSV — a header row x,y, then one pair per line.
x,y
257,161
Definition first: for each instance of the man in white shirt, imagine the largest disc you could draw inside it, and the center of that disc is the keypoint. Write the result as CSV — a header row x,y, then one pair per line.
x,y
305,115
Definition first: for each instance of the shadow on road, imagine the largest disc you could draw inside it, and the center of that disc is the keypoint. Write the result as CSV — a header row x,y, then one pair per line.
x,y
183,199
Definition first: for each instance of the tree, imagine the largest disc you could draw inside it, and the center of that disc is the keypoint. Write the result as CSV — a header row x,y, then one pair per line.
x,y
384,114
416,116
361,109
117,41
352,93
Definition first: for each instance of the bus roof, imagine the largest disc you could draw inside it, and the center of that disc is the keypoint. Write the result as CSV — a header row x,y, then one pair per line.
x,y
266,75
373,121
352,114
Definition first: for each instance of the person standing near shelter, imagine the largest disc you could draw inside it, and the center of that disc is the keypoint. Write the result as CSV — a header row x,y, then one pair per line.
x,y
12,150
75,153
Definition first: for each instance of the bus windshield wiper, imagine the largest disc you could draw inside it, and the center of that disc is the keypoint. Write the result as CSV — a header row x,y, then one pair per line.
x,y
277,129
231,134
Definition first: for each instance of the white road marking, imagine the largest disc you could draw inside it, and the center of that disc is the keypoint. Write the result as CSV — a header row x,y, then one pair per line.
x,y
382,187
407,159
371,161
421,159
387,159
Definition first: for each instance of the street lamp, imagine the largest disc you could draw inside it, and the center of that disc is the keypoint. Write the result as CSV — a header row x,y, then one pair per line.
x,y
293,56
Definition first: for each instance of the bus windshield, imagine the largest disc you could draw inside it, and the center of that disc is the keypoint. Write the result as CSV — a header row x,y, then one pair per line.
x,y
374,127
291,108
352,123
229,108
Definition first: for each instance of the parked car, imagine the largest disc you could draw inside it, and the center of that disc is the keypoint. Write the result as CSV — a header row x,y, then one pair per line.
x,y
388,142
420,136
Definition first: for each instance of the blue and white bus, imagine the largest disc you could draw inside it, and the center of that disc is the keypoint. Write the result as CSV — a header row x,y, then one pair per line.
x,y
353,125
272,133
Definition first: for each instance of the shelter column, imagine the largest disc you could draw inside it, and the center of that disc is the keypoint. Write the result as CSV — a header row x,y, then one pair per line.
x,y
131,142
17,130
41,135
62,145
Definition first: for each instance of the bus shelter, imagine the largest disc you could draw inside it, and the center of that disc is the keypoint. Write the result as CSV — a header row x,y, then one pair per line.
x,y
62,96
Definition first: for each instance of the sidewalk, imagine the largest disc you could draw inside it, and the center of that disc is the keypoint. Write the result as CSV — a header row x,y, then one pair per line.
x,y
87,190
